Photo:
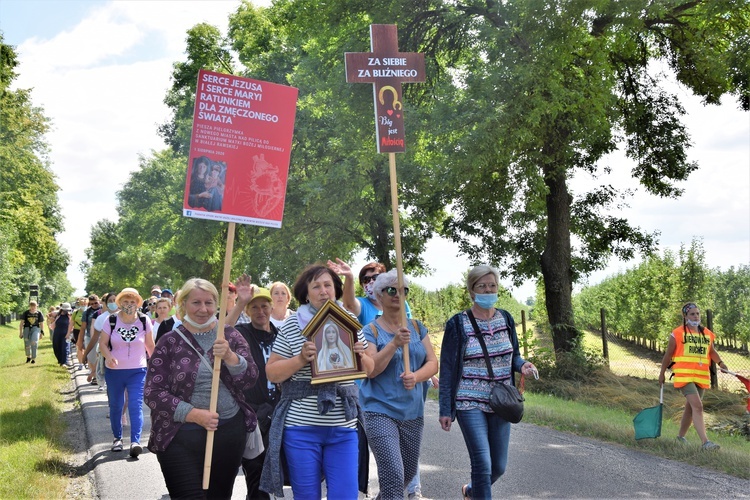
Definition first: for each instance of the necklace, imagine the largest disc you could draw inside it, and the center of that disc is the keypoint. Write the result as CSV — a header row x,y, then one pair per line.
x,y
204,333
388,326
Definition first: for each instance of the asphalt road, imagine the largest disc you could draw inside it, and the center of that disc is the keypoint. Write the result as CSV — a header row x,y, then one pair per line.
x,y
543,463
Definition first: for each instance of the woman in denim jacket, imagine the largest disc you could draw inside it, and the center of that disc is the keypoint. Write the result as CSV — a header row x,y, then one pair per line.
x,y
465,382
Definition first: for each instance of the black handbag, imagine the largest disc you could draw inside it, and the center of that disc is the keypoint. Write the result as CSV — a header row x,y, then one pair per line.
x,y
505,400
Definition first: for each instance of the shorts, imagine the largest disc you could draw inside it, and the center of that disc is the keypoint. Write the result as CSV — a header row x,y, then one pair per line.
x,y
691,388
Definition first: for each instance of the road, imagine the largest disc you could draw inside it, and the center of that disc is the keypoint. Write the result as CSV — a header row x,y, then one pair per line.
x,y
543,464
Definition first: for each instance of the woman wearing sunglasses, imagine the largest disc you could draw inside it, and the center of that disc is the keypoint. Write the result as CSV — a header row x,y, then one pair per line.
x,y
366,308
393,399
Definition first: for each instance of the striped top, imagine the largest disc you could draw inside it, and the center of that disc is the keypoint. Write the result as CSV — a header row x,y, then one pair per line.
x,y
475,385
304,412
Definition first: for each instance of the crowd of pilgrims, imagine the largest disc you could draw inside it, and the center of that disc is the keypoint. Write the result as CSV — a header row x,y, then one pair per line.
x,y
270,420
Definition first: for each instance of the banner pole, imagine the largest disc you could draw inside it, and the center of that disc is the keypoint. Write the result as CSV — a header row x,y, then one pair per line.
x,y
397,242
217,361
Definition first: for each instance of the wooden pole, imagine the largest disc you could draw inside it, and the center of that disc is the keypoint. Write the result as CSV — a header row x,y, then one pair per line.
x,y
399,260
525,339
605,345
217,361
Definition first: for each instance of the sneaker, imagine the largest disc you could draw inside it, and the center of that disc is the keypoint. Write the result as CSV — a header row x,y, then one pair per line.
x,y
681,440
33,361
80,366
710,446
103,387
135,449
94,382
117,445
416,496
28,359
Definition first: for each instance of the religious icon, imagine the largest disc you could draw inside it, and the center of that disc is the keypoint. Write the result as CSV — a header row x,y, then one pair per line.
x,y
334,333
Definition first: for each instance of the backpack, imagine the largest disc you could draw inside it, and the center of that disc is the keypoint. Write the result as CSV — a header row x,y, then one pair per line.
x,y
113,322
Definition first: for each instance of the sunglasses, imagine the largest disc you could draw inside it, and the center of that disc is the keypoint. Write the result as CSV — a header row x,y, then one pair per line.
x,y
392,291
368,279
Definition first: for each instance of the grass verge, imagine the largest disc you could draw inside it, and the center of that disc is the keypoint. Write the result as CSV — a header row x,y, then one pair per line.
x,y
33,455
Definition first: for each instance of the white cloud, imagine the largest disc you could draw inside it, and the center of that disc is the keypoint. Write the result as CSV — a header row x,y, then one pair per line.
x,y
103,83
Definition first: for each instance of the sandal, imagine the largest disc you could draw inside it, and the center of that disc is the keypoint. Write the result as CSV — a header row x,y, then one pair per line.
x,y
117,445
464,489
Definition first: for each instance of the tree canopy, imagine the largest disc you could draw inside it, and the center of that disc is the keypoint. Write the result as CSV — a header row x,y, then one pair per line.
x,y
30,215
520,97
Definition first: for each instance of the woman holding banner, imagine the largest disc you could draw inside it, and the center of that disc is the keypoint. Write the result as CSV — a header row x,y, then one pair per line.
x,y
316,425
178,391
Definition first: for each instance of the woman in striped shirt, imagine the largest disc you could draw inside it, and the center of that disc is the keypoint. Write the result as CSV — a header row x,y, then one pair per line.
x,y
316,425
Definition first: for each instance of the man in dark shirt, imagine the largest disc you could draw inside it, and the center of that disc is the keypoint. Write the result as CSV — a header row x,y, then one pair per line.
x,y
263,396
31,328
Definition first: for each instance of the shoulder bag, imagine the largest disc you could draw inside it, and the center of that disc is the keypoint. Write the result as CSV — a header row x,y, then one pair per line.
x,y
505,400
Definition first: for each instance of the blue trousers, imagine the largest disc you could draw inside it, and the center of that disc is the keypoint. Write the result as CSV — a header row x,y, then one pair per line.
x,y
314,452
132,379
31,340
486,436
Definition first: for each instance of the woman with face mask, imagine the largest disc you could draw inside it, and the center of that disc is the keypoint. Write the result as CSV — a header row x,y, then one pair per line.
x,y
366,308
689,354
465,383
178,392
126,341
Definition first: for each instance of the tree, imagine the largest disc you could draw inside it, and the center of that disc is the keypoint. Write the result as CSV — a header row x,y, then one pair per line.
x,y
546,89
29,212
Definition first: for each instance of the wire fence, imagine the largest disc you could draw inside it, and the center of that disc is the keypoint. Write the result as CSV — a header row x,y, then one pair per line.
x,y
638,357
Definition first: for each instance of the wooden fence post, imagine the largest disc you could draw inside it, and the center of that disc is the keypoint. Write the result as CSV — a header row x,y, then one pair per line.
x,y
523,330
605,347
712,369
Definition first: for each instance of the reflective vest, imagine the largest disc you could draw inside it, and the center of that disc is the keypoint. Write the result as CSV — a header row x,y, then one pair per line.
x,y
691,357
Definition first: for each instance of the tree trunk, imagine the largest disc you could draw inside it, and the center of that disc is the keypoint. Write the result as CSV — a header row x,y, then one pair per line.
x,y
556,261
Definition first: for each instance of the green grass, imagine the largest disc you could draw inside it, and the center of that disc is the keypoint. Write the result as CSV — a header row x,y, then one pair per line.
x,y
602,406
33,456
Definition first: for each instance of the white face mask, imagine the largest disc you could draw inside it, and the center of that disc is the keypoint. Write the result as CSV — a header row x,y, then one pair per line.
x,y
693,323
370,290
199,326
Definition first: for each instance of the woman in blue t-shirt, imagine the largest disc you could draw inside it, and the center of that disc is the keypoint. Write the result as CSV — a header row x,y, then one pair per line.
x,y
392,398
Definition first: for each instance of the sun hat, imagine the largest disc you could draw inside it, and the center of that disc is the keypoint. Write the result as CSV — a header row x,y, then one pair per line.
x,y
65,306
129,292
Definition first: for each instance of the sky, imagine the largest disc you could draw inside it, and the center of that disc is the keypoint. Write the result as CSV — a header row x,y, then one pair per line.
x,y
101,70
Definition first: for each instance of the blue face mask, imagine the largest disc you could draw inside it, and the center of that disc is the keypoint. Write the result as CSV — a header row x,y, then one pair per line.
x,y
485,300
112,306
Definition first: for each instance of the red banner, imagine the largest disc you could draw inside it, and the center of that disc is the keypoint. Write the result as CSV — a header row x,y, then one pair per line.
x,y
239,150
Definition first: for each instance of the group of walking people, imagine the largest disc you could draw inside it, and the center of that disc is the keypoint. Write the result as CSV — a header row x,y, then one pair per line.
x,y
272,420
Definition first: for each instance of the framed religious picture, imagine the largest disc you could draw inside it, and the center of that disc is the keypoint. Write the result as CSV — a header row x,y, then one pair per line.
x,y
334,333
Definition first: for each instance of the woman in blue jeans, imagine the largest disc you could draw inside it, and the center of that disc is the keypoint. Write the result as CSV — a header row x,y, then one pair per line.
x,y
465,382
